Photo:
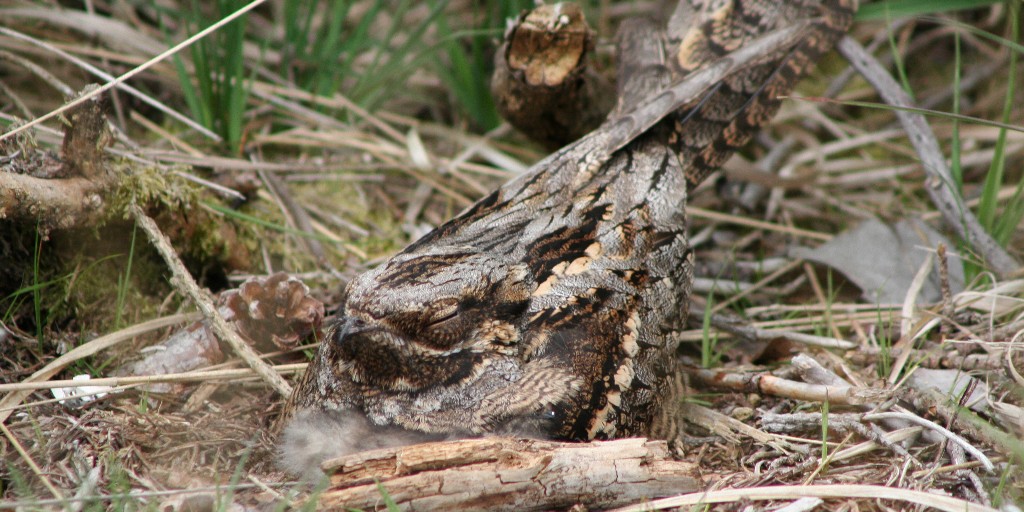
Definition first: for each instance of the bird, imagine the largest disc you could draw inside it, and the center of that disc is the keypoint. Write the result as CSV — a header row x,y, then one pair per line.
x,y
550,308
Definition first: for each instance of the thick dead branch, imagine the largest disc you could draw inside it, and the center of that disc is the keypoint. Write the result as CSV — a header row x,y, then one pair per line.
x,y
85,139
542,83
508,474
55,203
60,192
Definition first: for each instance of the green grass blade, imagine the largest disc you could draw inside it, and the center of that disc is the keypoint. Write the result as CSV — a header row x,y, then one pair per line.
x,y
228,212
707,342
886,9
1003,226
124,280
897,59
389,502
824,430
468,77
413,38
37,295
954,152
922,111
1012,44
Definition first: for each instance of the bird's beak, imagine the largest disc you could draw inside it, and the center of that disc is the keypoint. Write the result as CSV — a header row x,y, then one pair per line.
x,y
350,326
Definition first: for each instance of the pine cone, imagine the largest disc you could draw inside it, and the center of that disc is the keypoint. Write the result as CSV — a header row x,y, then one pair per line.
x,y
275,311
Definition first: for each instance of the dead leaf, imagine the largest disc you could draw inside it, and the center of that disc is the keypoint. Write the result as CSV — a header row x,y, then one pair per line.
x,y
951,383
882,259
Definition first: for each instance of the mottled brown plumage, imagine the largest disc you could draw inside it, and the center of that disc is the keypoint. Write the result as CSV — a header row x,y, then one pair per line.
x,y
549,307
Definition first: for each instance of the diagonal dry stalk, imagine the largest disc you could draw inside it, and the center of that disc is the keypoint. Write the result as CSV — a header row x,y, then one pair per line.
x,y
138,69
191,289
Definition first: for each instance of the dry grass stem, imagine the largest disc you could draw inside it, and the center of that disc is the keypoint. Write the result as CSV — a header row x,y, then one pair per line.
x,y
31,463
204,375
110,81
701,213
116,82
102,343
791,492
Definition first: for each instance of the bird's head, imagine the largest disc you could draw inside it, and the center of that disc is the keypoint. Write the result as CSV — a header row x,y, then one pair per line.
x,y
429,318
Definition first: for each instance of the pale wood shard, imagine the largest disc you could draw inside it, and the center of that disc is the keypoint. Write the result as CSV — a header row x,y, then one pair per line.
x,y
498,473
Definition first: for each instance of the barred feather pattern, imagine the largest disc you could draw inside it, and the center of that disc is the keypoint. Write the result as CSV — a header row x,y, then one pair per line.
x,y
549,308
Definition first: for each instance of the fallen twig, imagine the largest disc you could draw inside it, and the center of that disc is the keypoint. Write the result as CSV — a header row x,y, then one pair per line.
x,y
748,331
772,385
913,418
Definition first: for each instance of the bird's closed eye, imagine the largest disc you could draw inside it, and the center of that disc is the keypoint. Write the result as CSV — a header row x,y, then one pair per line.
x,y
442,311
443,315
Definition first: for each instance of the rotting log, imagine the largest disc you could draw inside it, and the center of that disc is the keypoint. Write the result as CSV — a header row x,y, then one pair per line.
x,y
499,473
